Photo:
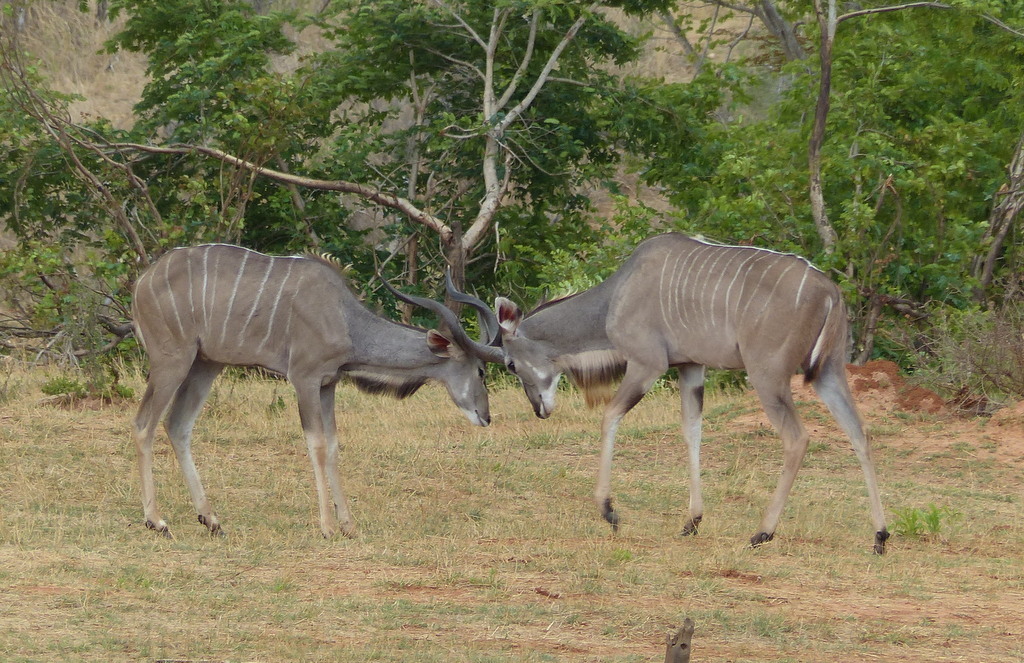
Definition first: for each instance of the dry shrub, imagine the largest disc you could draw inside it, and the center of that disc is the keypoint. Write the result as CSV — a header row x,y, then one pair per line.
x,y
976,357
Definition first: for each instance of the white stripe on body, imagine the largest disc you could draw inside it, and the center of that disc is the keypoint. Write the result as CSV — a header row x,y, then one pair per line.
x,y
191,298
668,297
800,290
256,300
206,275
231,300
689,272
757,286
816,351
291,310
728,291
663,298
138,287
771,295
709,322
174,298
273,309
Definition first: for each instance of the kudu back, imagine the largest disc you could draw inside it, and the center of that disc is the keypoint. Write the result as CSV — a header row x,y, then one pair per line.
x,y
199,309
684,303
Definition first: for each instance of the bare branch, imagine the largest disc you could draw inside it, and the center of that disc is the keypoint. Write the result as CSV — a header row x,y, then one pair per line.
x,y
385,199
995,21
462,22
517,110
527,57
893,8
677,32
462,63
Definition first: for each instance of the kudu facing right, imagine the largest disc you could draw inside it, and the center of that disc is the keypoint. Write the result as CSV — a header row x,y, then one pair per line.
x,y
199,309
679,302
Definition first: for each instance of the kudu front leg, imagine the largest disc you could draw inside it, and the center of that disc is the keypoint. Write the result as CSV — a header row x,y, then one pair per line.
x,y
323,454
344,516
635,384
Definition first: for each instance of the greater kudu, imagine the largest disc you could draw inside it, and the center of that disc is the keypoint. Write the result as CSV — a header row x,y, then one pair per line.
x,y
679,302
199,309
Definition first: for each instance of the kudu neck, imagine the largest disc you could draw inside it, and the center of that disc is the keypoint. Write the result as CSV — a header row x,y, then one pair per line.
x,y
383,344
574,324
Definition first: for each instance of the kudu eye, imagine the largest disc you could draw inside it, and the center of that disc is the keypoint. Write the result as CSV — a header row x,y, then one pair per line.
x,y
480,372
511,366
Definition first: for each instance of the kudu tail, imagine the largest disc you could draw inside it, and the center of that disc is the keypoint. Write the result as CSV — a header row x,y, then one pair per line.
x,y
831,341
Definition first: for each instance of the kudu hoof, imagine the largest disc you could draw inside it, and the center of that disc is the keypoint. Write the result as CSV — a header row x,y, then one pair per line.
x,y
212,524
881,537
761,538
609,514
160,528
347,530
691,527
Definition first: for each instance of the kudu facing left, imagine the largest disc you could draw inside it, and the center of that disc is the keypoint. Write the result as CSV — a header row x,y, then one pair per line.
x,y
197,310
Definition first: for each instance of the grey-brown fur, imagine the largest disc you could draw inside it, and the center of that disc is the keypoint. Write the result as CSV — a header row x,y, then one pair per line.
x,y
199,309
683,303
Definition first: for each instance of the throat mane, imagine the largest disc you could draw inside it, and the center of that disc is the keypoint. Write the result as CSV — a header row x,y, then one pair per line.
x,y
594,372
384,384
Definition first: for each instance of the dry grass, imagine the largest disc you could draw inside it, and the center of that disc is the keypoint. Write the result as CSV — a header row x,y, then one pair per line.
x,y
483,545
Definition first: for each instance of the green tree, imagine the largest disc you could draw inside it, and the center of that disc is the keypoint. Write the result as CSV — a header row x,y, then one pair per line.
x,y
924,116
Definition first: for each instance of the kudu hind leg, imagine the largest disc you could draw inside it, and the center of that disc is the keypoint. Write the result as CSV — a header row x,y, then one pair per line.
x,y
833,389
691,396
180,420
777,400
161,386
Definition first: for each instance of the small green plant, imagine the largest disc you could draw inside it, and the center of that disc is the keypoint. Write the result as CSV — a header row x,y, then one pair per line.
x,y
65,386
73,389
277,406
621,555
917,523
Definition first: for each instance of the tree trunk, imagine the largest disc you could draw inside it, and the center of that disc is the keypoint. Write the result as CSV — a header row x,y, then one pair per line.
x,y
826,232
412,256
1009,201
455,254
870,327
783,30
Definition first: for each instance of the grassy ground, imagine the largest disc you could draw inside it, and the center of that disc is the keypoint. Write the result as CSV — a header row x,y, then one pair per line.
x,y
483,544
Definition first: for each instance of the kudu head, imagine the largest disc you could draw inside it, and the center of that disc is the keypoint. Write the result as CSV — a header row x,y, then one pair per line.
x,y
462,372
527,359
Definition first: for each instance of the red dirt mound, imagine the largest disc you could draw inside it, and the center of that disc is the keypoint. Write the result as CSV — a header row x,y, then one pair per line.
x,y
881,381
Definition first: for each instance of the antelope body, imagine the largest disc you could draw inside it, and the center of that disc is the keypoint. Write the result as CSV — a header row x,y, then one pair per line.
x,y
679,302
199,309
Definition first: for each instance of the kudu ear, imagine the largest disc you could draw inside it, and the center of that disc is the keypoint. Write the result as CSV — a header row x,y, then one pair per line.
x,y
509,315
441,345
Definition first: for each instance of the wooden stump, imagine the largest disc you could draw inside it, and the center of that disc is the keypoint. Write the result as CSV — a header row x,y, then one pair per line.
x,y
677,647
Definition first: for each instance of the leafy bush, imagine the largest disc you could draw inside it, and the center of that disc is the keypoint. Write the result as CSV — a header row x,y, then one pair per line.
x,y
96,380
64,386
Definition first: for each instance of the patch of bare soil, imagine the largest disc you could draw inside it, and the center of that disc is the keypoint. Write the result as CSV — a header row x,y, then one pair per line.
x,y
885,399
